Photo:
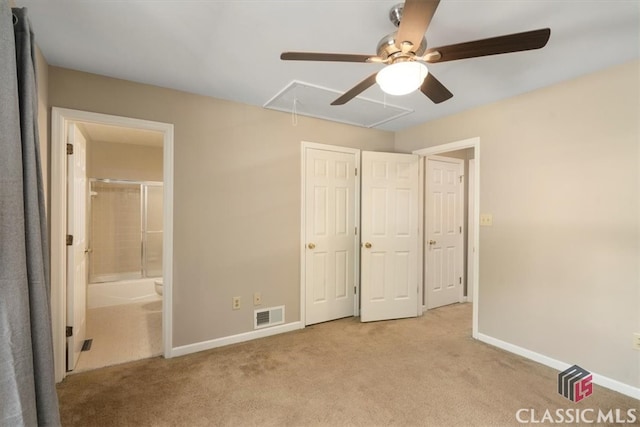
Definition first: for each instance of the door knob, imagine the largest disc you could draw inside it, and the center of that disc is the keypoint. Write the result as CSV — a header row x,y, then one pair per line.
x,y
367,245
311,245
432,242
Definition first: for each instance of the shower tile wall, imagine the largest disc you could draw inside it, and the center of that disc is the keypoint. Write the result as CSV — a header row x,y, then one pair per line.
x,y
115,231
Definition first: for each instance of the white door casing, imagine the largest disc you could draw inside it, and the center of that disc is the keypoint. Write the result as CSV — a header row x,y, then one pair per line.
x,y
389,248
471,228
76,252
330,257
443,231
60,118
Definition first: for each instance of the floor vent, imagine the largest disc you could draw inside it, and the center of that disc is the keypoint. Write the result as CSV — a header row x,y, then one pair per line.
x,y
86,345
268,317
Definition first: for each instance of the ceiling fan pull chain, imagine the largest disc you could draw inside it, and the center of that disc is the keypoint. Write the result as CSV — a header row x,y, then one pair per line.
x,y
294,111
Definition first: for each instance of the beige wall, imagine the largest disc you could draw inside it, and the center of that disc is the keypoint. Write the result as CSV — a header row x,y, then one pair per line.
x,y
124,161
236,195
559,269
42,80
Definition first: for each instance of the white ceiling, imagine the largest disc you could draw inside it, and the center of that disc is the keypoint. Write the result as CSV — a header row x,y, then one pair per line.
x,y
230,49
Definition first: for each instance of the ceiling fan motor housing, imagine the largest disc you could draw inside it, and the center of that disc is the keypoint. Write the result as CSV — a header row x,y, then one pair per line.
x,y
387,49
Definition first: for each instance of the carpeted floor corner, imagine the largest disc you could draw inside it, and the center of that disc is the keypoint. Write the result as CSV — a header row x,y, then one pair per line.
x,y
422,371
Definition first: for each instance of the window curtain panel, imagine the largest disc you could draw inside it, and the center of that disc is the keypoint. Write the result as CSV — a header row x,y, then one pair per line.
x,y
27,383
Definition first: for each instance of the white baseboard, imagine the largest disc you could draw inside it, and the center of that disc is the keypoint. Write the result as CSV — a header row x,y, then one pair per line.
x,y
234,339
601,380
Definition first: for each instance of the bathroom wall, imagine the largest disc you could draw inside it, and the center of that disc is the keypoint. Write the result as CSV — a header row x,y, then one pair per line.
x,y
116,160
116,244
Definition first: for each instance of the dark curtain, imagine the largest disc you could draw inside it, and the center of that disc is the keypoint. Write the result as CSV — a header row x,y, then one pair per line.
x,y
27,383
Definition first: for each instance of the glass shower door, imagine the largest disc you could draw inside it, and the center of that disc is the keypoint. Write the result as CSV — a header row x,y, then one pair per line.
x,y
152,230
114,231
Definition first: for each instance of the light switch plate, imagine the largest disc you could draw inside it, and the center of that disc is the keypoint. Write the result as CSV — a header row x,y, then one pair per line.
x,y
636,341
486,220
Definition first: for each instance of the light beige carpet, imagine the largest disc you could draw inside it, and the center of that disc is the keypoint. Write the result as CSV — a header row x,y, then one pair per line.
x,y
423,371
122,333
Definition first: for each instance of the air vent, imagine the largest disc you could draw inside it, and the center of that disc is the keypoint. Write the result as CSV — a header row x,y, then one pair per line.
x,y
268,317
311,100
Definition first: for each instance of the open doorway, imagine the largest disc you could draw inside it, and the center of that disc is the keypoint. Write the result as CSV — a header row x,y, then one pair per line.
x,y
128,252
449,225
124,228
469,151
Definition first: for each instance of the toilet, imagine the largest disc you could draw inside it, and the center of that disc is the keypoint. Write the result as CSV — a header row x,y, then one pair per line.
x,y
158,283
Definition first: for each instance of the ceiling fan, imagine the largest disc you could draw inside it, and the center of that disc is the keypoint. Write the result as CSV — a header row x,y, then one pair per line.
x,y
405,51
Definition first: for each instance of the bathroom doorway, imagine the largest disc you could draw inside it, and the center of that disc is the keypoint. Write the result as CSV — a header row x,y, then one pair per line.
x,y
124,221
128,222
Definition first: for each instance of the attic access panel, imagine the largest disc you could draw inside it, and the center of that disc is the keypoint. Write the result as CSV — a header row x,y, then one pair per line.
x,y
315,101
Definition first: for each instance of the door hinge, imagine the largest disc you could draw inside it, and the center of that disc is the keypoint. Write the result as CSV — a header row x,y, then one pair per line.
x,y
460,280
355,291
69,331
460,227
356,171
69,148
356,231
460,178
69,239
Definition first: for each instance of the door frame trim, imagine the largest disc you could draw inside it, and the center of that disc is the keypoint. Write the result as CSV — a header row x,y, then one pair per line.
x,y
471,224
460,145
60,117
303,244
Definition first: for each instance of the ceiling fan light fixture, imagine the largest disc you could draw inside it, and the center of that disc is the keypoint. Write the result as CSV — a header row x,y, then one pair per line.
x,y
402,78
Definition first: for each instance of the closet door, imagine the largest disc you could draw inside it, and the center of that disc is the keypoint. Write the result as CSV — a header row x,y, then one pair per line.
x,y
330,240
389,245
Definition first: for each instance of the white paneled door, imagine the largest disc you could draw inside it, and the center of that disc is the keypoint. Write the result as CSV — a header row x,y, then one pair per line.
x,y
77,248
330,234
444,233
389,237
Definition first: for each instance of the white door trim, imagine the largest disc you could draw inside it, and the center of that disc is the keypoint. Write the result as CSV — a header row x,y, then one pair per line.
x,y
422,167
471,226
304,146
59,119
460,145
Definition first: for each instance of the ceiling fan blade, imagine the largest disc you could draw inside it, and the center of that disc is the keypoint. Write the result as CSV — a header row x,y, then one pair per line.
x,y
318,56
528,40
416,16
434,90
356,90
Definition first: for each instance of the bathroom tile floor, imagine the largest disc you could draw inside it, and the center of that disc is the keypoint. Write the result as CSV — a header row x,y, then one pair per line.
x,y
122,333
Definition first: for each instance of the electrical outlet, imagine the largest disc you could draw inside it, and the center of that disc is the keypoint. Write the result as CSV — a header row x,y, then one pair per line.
x,y
235,303
257,298
486,220
636,341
